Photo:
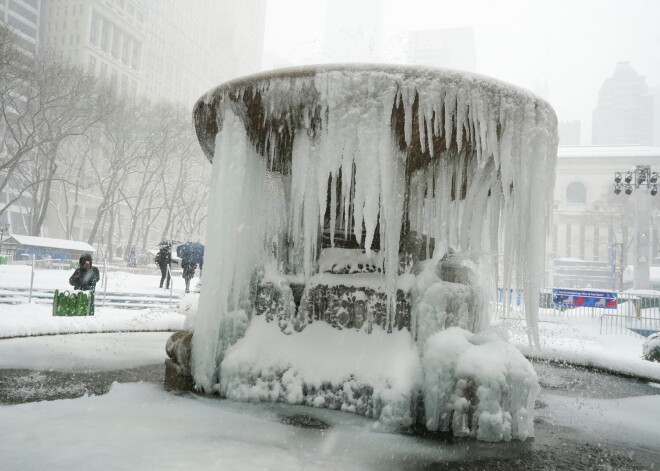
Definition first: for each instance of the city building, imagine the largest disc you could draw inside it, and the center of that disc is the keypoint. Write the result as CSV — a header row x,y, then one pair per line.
x,y
624,114
451,48
592,239
159,49
23,17
106,38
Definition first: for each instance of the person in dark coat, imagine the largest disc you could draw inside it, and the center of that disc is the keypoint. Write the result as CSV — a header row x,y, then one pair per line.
x,y
164,261
188,272
85,278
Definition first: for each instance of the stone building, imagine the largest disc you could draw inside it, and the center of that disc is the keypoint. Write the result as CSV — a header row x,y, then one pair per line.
x,y
589,219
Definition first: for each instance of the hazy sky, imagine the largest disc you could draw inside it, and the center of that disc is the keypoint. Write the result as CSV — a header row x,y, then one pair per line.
x,y
573,44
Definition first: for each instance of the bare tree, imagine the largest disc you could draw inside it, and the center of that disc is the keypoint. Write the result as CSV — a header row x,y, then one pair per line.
x,y
43,103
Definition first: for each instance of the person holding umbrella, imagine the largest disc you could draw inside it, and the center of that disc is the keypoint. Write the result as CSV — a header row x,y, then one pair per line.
x,y
191,254
164,261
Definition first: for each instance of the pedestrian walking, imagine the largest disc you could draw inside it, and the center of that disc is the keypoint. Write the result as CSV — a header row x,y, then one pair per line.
x,y
164,261
188,272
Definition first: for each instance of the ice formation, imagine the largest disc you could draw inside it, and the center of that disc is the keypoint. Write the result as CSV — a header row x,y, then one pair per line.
x,y
465,160
377,375
331,186
478,385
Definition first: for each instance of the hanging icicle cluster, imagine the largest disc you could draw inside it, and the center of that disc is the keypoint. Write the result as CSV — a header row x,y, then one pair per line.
x,y
465,160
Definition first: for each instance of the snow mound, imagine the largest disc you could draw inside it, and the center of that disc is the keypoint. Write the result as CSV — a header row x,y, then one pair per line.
x,y
651,347
376,375
478,385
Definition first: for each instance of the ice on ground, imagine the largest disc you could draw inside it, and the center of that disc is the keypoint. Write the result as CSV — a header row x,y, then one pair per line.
x,y
377,375
478,385
94,352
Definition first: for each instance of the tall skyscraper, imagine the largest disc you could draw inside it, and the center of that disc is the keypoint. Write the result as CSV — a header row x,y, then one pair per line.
x,y
23,18
161,49
624,115
452,48
106,38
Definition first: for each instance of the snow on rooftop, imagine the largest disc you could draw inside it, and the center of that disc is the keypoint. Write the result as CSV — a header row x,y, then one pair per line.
x,y
607,151
34,241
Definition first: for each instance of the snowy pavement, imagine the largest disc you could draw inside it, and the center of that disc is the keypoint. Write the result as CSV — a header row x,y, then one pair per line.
x,y
138,425
577,340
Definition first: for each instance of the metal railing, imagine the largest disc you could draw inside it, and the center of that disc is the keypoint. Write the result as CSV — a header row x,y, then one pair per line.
x,y
634,313
621,324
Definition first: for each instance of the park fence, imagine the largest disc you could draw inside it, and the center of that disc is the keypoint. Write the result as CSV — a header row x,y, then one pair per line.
x,y
634,312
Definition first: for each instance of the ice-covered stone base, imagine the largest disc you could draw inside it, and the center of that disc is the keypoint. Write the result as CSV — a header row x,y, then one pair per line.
x,y
377,375
478,385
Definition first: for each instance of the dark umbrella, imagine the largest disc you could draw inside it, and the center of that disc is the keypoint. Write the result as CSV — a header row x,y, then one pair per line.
x,y
191,252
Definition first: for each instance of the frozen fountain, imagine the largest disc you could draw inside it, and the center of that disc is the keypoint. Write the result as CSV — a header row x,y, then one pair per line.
x,y
360,218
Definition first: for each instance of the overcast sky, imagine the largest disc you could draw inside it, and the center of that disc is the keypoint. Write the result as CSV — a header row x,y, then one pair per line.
x,y
573,44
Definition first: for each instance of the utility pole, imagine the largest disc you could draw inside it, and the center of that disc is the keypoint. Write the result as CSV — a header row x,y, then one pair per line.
x,y
645,184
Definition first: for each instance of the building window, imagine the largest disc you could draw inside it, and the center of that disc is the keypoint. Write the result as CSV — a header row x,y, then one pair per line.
x,y
23,12
576,193
94,32
104,69
92,64
22,27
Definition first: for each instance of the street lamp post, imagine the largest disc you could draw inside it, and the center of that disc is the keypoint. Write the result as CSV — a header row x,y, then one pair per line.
x,y
644,182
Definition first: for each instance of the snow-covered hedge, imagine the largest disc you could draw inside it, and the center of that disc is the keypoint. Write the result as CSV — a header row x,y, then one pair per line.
x,y
651,347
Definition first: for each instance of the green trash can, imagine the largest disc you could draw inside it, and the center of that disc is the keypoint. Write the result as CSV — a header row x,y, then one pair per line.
x,y
71,304
4,260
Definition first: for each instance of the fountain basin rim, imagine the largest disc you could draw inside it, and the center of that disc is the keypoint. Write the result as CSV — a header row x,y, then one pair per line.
x,y
407,71
206,108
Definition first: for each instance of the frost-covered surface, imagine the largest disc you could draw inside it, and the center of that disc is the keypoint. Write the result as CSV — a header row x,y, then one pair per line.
x,y
97,352
578,340
478,385
438,304
376,375
480,179
348,261
20,320
651,347
188,306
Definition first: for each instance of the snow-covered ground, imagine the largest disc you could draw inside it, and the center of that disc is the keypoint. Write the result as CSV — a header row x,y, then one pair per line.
x,y
18,276
575,338
141,426
71,353
37,319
